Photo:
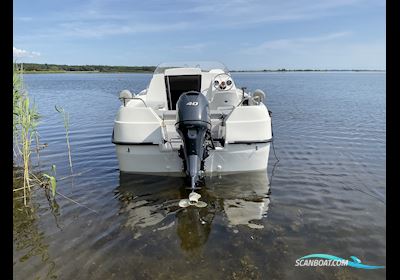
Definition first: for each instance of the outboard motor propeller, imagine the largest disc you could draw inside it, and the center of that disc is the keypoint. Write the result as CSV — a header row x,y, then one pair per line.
x,y
194,126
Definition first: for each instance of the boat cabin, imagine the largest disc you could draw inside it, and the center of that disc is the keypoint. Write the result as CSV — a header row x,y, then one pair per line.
x,y
169,82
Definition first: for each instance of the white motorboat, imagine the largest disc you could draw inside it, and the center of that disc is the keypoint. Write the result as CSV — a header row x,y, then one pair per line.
x,y
192,120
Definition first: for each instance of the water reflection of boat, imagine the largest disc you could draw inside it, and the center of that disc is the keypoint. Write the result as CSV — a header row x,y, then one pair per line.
x,y
244,197
240,199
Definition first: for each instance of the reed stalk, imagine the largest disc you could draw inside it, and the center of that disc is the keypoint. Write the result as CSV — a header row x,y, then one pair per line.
x,y
25,121
37,148
66,126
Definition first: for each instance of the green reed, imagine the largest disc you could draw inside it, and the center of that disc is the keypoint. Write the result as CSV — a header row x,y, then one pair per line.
x,y
52,179
25,121
66,126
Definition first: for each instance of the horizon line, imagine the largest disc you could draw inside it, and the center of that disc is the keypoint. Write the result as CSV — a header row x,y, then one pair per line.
x,y
282,69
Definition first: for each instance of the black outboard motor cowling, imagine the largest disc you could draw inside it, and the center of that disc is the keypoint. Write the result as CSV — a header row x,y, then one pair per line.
x,y
194,126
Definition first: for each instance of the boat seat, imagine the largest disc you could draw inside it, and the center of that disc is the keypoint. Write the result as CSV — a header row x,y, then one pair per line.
x,y
224,99
156,93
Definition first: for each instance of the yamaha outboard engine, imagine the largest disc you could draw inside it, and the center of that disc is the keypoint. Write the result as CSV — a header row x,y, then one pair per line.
x,y
194,126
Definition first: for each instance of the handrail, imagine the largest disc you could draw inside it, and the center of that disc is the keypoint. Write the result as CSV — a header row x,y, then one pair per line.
x,y
240,103
228,115
137,98
243,100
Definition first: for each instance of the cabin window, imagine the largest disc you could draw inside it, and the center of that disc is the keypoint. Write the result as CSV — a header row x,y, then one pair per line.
x,y
176,85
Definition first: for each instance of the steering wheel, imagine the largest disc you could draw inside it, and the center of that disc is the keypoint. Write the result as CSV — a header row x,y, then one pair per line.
x,y
222,82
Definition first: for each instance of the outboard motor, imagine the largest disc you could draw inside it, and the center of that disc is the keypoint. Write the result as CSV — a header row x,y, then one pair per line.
x,y
194,126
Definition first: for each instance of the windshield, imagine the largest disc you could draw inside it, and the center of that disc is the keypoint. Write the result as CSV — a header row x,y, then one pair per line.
x,y
205,66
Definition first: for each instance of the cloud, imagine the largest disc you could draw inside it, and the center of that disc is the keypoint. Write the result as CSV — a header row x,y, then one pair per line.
x,y
194,47
82,29
294,43
22,18
24,53
252,32
94,19
245,13
330,51
103,18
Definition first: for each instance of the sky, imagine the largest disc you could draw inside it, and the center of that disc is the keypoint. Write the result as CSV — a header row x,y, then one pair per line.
x,y
243,34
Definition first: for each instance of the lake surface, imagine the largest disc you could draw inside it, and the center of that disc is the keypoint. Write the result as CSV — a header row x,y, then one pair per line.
x,y
326,195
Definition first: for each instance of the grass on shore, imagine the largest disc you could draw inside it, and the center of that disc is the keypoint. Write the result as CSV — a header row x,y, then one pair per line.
x,y
25,121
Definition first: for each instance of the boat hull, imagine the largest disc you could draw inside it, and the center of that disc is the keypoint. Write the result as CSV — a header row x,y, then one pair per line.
x,y
233,158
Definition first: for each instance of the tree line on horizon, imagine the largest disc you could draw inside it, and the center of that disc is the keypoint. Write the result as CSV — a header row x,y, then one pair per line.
x,y
37,67
32,67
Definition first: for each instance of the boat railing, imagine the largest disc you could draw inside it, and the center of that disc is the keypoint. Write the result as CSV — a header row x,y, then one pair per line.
x,y
134,98
256,100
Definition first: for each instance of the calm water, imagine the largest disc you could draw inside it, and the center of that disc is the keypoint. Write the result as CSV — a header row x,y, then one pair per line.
x,y
327,193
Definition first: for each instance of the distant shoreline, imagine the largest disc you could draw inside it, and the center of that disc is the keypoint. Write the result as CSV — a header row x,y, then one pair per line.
x,y
232,71
307,70
35,68
85,72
